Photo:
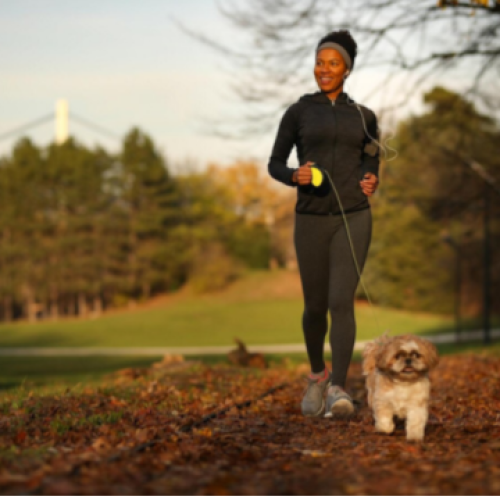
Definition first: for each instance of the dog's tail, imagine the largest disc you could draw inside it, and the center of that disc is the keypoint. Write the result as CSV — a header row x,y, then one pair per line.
x,y
370,353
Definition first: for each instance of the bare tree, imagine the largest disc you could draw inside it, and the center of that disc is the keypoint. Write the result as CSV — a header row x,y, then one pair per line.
x,y
413,40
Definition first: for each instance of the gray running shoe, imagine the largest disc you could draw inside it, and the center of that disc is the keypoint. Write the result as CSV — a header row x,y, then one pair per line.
x,y
313,403
338,402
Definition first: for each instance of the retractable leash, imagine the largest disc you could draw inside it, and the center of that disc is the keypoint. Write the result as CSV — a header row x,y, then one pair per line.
x,y
317,180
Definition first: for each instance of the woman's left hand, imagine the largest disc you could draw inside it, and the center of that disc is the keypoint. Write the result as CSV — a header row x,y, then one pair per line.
x,y
369,183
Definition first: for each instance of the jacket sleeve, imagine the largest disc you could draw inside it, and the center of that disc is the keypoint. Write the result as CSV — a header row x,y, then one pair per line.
x,y
371,152
283,144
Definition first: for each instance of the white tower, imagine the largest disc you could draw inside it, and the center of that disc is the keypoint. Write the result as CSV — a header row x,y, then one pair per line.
x,y
61,121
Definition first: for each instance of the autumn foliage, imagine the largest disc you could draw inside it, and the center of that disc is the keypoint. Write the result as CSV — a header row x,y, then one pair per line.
x,y
195,429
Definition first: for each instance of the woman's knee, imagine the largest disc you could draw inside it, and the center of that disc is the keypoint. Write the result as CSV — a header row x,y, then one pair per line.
x,y
343,303
315,311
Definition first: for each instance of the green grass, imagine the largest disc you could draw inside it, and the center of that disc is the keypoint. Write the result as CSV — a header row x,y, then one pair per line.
x,y
251,310
208,322
52,375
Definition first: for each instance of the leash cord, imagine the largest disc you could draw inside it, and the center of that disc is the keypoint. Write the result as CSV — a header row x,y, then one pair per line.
x,y
352,249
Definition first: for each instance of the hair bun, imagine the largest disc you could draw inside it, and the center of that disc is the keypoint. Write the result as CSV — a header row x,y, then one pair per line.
x,y
344,39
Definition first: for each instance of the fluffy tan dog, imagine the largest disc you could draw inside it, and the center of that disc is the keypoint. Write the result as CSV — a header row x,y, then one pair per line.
x,y
397,380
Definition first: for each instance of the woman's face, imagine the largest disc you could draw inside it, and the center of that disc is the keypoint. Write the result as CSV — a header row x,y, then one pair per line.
x,y
329,70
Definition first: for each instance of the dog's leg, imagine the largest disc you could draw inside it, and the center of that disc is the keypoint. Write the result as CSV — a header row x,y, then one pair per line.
x,y
416,420
369,398
382,411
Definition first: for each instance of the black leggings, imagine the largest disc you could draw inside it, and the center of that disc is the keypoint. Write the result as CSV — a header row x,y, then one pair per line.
x,y
329,281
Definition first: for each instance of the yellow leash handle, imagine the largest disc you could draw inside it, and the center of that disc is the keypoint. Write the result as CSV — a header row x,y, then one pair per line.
x,y
317,177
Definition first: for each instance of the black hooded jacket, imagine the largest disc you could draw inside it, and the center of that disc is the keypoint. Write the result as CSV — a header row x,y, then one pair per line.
x,y
330,134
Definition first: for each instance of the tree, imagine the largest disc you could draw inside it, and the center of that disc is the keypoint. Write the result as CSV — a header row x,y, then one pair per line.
x,y
408,266
273,59
82,229
21,255
431,190
74,201
151,201
265,238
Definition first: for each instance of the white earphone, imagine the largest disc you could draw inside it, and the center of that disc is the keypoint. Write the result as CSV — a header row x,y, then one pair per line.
x,y
385,147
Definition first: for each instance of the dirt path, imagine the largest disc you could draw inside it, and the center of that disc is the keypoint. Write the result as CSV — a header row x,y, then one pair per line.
x,y
147,436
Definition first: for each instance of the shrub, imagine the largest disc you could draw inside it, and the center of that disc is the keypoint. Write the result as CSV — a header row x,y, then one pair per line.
x,y
213,268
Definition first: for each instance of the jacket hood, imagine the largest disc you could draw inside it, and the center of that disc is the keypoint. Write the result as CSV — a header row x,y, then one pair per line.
x,y
321,97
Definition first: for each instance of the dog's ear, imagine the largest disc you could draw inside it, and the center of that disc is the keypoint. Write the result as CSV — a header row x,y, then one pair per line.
x,y
384,357
429,352
369,354
375,354
384,338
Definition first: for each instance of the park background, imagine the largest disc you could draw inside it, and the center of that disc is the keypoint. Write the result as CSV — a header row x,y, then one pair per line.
x,y
137,212
171,232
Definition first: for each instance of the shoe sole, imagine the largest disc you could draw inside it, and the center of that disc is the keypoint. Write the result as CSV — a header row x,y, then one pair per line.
x,y
341,408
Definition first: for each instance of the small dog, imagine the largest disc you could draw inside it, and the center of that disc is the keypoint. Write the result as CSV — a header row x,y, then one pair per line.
x,y
397,381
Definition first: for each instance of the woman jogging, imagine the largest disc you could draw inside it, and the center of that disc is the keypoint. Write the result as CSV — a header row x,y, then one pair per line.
x,y
330,132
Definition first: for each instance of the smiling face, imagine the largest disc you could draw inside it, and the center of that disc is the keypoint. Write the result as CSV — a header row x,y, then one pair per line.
x,y
329,70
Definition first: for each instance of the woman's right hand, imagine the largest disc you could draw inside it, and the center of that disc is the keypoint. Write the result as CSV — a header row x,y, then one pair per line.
x,y
303,174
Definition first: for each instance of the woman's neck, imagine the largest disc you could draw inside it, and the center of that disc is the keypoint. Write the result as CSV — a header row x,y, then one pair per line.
x,y
333,95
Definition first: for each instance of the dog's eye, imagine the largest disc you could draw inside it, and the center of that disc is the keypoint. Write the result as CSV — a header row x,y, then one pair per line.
x,y
416,355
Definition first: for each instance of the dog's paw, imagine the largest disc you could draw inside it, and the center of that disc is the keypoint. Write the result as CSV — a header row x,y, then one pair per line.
x,y
387,427
415,435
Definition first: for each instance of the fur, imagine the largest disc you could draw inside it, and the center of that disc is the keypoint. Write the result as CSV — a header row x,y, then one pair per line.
x,y
397,382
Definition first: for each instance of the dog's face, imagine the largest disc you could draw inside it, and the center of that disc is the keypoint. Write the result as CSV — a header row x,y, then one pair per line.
x,y
407,357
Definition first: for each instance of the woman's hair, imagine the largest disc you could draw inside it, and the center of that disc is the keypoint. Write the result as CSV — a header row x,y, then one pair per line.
x,y
343,38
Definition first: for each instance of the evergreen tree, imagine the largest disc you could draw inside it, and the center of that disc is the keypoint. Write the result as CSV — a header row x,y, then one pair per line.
x,y
431,190
22,253
151,203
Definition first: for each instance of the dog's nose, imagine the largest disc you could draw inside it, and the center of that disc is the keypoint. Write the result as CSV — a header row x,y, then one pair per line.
x,y
408,361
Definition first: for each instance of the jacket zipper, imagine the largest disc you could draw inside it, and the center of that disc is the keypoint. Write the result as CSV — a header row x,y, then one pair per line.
x,y
333,157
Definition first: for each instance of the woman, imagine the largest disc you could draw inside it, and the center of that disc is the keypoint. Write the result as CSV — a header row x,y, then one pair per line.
x,y
333,133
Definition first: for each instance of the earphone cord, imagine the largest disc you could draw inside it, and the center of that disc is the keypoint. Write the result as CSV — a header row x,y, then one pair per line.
x,y
381,146
352,250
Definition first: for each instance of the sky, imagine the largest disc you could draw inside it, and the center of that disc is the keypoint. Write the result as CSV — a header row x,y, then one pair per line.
x,y
119,64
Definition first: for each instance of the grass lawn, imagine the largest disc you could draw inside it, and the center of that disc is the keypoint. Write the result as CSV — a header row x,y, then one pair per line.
x,y
265,307
204,322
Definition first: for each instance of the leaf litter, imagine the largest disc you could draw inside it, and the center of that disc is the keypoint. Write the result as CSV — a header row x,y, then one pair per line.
x,y
229,430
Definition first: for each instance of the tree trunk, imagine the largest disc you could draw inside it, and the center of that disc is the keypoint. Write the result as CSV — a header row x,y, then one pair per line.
x,y
146,290
97,306
54,306
54,310
30,310
73,304
132,257
7,309
70,306
30,305
82,305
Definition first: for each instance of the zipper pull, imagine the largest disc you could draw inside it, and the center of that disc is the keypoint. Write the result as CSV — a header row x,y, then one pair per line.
x,y
333,102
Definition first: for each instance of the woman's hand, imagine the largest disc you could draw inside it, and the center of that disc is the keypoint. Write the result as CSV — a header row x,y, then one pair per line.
x,y
369,183
303,174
